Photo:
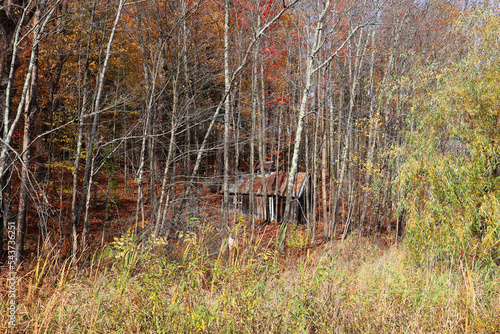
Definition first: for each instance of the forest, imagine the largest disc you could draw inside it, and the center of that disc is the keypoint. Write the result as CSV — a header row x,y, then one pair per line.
x,y
261,166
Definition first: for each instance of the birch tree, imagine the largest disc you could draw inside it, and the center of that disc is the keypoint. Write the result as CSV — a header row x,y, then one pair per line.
x,y
227,109
234,75
317,43
87,178
43,11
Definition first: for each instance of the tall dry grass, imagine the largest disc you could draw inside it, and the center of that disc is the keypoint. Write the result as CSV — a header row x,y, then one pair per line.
x,y
204,283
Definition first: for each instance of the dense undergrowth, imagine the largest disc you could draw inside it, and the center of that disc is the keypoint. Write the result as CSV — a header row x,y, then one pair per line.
x,y
237,284
450,179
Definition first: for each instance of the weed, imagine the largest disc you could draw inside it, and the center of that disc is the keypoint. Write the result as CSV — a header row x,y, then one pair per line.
x,y
354,287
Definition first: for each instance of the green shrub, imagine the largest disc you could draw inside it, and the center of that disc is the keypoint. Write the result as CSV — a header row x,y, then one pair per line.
x,y
450,178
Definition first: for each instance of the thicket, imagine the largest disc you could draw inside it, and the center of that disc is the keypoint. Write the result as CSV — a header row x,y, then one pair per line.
x,y
450,180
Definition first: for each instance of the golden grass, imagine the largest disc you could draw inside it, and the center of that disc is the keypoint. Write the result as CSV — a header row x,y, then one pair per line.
x,y
350,287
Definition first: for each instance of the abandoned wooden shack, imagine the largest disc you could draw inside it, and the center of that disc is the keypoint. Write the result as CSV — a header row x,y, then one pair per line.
x,y
276,196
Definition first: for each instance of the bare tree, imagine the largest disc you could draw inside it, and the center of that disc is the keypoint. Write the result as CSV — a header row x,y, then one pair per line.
x,y
87,178
28,103
318,42
213,120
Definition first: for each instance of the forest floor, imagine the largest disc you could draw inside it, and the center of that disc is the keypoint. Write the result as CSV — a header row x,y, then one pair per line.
x,y
112,213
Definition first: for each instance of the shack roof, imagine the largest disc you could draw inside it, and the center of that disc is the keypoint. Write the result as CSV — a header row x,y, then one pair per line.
x,y
275,184
268,166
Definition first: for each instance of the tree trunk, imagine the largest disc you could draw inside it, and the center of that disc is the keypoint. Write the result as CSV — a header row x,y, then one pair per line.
x,y
300,122
100,84
261,101
227,111
251,185
324,170
30,108
360,48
